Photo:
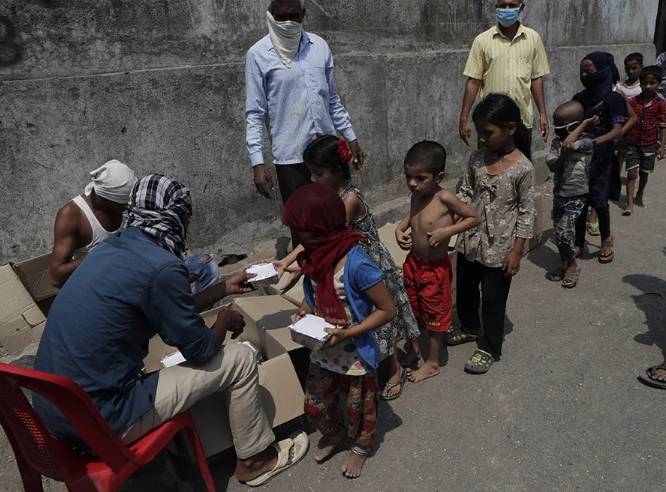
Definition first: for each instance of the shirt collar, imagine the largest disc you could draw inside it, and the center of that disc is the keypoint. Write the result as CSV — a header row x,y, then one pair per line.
x,y
305,39
521,32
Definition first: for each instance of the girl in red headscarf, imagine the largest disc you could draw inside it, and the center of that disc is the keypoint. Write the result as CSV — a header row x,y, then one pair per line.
x,y
346,288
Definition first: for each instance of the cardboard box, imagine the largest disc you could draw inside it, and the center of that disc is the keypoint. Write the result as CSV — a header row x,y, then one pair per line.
x,y
543,222
34,273
279,387
387,236
21,320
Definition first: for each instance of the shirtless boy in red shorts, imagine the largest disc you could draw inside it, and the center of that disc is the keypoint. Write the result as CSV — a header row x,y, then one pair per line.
x,y
435,215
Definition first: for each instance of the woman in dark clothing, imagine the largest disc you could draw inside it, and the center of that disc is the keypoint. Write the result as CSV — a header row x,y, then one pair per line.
x,y
599,74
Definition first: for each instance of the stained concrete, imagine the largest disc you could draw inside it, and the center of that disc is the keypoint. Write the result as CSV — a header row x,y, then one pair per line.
x,y
159,85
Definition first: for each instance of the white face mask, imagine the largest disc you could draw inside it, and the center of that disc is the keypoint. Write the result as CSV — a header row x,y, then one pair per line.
x,y
286,37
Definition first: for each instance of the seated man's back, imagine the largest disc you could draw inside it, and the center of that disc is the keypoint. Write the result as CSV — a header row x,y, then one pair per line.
x,y
127,290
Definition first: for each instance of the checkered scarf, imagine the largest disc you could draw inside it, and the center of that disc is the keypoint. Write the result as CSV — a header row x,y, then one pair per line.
x,y
162,209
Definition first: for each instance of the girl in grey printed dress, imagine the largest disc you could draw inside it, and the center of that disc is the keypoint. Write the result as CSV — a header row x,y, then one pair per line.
x,y
499,184
328,159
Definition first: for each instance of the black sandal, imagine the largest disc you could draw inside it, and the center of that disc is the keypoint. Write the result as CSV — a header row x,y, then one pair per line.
x,y
555,275
457,337
648,377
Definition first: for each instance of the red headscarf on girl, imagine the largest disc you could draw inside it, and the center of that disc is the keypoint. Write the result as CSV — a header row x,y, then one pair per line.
x,y
319,211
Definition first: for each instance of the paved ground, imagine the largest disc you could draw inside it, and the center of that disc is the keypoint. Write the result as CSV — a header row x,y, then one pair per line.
x,y
563,409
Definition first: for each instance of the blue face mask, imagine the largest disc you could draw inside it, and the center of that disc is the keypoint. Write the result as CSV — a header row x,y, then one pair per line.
x,y
508,17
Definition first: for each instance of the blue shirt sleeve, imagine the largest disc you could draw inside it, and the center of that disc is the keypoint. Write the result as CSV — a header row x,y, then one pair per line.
x,y
339,114
365,274
256,109
170,308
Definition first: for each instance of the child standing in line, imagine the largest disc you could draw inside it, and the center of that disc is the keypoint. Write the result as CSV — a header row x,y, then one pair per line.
x,y
631,87
432,220
569,159
499,183
598,75
647,138
328,159
346,288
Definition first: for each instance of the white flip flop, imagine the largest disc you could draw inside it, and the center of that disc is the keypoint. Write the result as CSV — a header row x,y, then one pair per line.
x,y
290,451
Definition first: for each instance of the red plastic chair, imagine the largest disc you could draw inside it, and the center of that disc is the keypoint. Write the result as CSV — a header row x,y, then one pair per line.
x,y
39,453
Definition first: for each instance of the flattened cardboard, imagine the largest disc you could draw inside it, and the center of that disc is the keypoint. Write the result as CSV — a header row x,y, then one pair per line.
x,y
21,321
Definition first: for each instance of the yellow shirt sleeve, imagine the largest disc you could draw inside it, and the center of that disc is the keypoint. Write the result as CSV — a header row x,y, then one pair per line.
x,y
540,66
475,67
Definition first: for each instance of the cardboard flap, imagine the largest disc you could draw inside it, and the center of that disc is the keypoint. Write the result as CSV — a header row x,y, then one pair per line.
x,y
269,314
34,273
18,311
34,316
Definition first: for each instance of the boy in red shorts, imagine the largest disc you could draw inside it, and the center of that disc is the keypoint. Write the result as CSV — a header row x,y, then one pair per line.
x,y
647,138
435,215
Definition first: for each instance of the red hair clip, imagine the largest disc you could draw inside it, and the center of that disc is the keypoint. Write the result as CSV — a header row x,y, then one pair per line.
x,y
344,152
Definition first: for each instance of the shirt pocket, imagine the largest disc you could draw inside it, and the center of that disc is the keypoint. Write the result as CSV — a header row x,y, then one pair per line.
x,y
315,79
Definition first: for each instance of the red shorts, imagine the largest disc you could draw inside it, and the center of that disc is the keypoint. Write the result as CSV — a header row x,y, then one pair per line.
x,y
428,286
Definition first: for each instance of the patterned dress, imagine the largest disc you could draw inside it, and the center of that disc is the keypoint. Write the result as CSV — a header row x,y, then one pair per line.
x,y
404,325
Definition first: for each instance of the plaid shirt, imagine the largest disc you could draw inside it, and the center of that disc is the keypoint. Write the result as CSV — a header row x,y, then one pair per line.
x,y
651,119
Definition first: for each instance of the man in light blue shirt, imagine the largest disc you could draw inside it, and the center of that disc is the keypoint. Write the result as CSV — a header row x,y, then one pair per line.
x,y
290,83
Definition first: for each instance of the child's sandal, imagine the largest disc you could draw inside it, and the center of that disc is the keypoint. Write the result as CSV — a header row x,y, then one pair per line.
x,y
571,279
457,337
480,362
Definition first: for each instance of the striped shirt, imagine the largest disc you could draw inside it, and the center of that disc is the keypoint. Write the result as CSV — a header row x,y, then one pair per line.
x,y
300,101
508,66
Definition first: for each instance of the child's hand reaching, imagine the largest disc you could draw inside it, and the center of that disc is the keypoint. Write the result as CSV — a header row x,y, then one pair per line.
x,y
404,239
337,335
592,121
436,237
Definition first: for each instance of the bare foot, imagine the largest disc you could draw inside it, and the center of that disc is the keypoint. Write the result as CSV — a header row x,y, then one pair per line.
x,y
326,448
426,371
256,466
352,469
659,375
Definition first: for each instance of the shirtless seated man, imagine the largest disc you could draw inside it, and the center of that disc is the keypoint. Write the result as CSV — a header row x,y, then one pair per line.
x,y
435,215
89,219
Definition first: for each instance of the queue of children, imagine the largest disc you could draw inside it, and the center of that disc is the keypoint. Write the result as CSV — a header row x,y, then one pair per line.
x,y
352,281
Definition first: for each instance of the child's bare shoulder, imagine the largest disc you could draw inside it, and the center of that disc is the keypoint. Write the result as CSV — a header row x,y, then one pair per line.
x,y
447,197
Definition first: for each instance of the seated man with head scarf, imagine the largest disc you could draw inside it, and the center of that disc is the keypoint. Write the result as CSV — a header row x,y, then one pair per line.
x,y
89,219
132,287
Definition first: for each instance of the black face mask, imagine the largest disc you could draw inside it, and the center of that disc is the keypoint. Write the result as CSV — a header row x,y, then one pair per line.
x,y
592,80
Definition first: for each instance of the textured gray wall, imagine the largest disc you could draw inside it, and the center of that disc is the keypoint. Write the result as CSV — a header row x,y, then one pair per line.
x,y
159,85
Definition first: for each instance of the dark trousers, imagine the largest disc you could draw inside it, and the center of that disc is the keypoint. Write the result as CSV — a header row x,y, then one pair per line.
x,y
474,282
290,178
603,214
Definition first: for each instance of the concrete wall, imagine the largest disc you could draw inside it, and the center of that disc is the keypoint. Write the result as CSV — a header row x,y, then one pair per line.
x,y
159,85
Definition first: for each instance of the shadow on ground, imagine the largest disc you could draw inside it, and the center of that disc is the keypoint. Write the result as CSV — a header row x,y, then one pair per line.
x,y
651,301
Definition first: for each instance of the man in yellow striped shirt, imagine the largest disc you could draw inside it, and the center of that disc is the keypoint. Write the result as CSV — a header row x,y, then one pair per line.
x,y
508,58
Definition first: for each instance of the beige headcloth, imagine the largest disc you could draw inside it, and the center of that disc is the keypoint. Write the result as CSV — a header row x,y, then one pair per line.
x,y
113,181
